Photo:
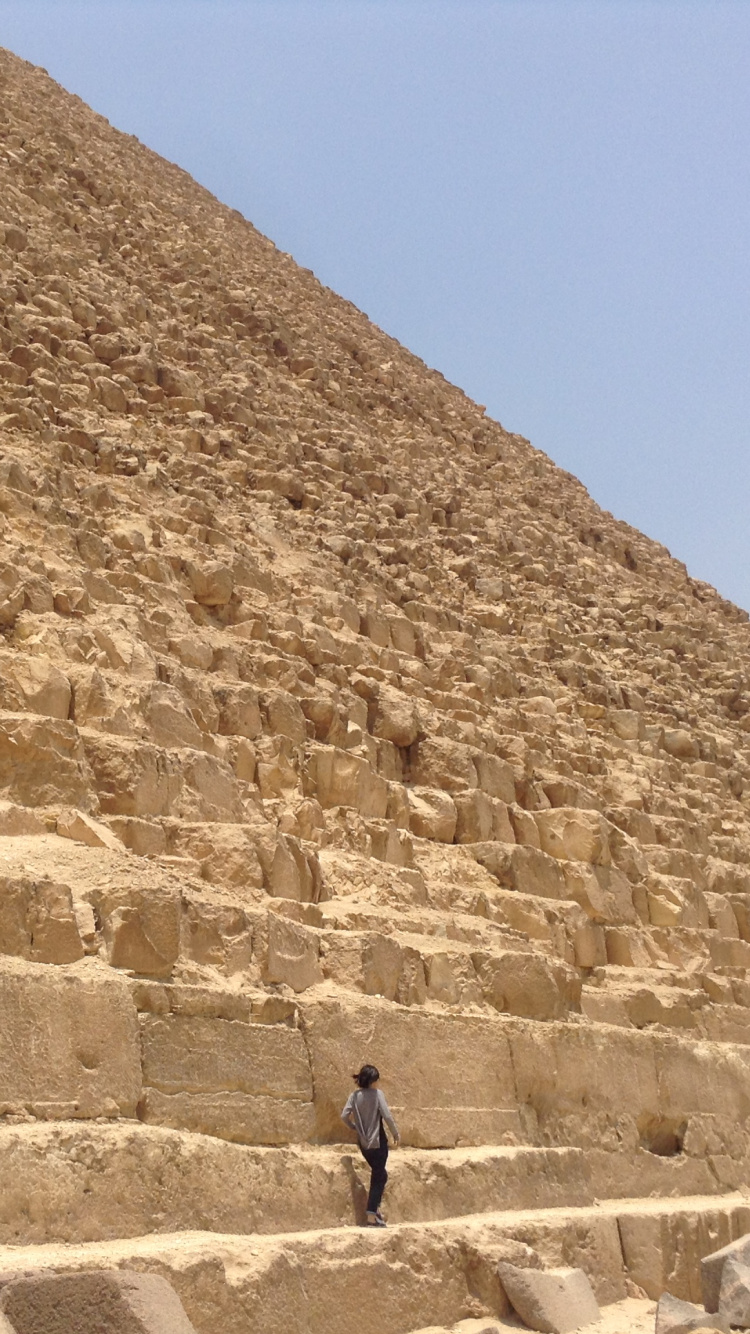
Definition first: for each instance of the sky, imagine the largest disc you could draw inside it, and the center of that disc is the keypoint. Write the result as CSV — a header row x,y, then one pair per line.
x,y
547,200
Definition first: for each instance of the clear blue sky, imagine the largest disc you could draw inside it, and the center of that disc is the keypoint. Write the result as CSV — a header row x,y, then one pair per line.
x,y
546,199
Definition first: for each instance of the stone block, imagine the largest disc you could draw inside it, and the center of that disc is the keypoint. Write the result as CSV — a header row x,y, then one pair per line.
x,y
118,1301
570,834
554,1301
68,1042
42,763
476,1105
292,955
242,1118
520,982
37,920
438,762
338,778
197,1055
712,1269
393,717
734,1294
432,814
524,869
674,1316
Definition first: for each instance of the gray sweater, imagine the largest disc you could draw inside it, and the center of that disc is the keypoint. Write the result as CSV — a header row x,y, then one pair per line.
x,y
365,1108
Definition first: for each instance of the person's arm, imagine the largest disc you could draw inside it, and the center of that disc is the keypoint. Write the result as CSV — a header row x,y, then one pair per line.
x,y
385,1112
347,1116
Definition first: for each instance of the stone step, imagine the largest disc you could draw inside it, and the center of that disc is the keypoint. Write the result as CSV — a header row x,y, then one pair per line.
x,y
411,1275
78,1182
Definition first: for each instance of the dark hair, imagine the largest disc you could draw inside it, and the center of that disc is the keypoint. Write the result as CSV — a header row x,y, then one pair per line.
x,y
368,1075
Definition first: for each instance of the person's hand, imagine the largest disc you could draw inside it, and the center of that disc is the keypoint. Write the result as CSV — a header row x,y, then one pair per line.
x,y
397,1142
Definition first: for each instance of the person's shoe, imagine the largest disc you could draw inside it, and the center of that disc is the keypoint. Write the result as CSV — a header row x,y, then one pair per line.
x,y
376,1220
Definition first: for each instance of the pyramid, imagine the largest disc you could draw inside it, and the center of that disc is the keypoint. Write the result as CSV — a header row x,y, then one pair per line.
x,y
337,724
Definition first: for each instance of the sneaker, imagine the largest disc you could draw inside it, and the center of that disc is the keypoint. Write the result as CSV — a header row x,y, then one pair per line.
x,y
375,1220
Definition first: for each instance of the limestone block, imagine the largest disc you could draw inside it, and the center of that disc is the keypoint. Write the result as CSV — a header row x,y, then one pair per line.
x,y
681,745
83,829
525,828
15,820
195,1055
141,929
403,635
38,920
211,583
68,1041
292,954
603,892
284,716
169,721
586,1086
570,834
521,983
502,829
432,814
289,872
217,934
665,1252
227,853
437,762
42,687
239,711
527,870
242,1118
554,1301
42,763
382,963
120,1301
338,778
394,717
475,817
677,1317
495,776
132,778
476,1105
734,1294
712,1269
209,789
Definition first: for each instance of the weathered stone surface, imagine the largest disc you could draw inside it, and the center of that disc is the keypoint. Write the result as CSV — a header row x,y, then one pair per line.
x,y
677,1317
554,1301
68,1043
121,1303
712,1269
734,1294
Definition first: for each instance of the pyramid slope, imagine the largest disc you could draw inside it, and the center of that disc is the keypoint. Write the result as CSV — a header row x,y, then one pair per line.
x,y
336,723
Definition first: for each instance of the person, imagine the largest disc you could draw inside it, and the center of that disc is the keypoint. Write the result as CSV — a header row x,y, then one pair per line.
x,y
367,1113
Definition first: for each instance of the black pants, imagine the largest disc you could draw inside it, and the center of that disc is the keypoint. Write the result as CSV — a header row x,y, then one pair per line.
x,y
377,1159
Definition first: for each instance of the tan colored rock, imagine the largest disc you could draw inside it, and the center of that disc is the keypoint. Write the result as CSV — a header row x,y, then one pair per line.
x,y
432,814
555,1300
123,1303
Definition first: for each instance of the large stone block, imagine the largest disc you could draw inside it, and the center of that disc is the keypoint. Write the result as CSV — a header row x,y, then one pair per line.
x,y
677,1317
42,763
554,1301
712,1269
120,1302
449,1078
338,778
242,1118
68,1042
246,1082
524,869
570,834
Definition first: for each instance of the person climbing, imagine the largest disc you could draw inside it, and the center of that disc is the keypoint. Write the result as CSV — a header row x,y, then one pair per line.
x,y
365,1113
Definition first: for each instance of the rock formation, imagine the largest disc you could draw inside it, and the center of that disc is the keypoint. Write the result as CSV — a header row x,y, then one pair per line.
x,y
337,724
